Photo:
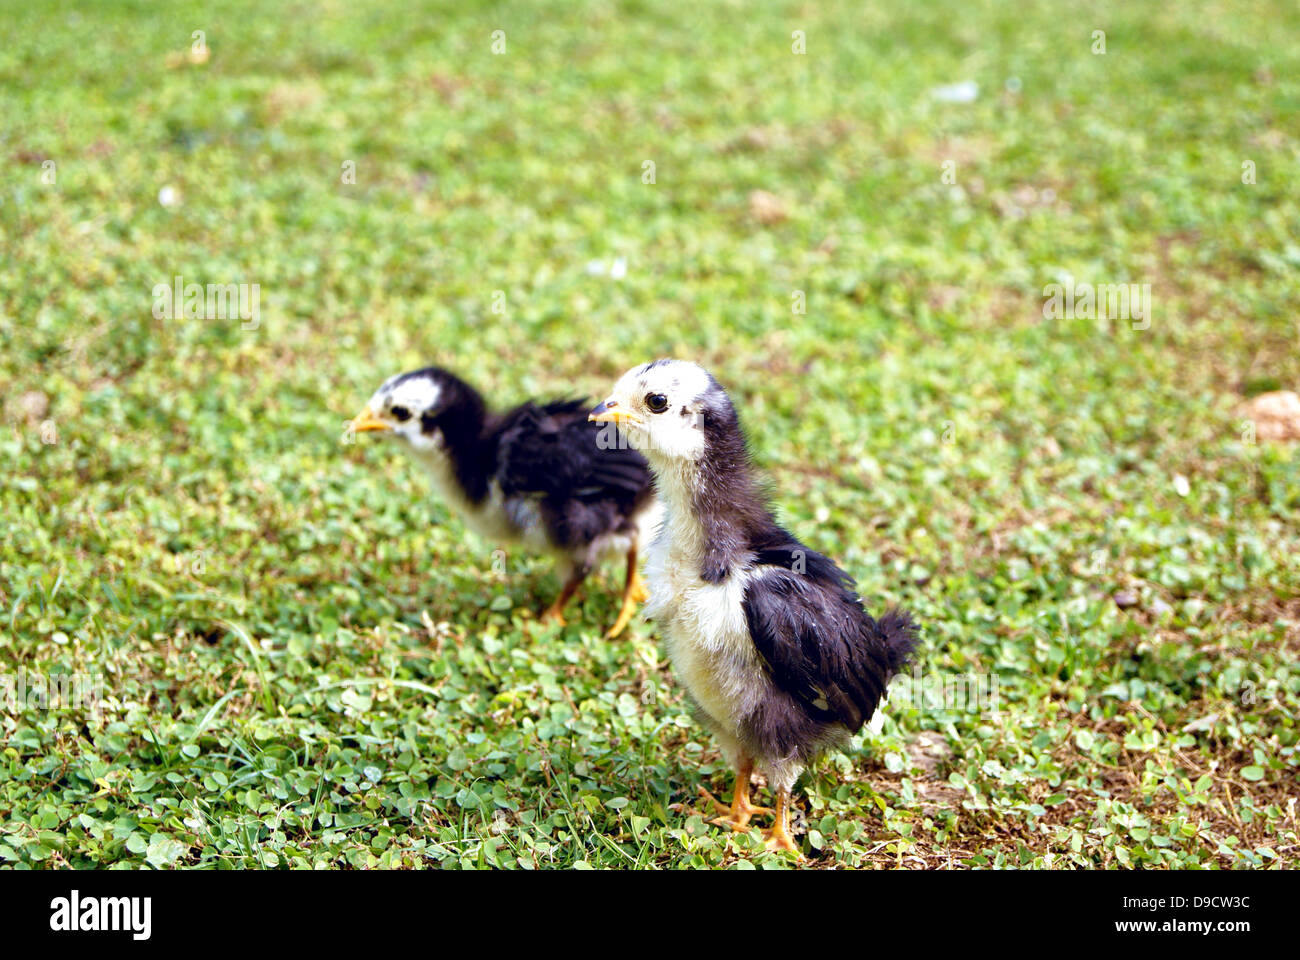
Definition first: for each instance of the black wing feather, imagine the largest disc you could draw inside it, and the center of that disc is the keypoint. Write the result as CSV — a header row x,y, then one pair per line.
x,y
553,450
819,644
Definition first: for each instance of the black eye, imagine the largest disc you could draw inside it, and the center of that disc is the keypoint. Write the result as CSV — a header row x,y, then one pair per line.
x,y
400,414
656,402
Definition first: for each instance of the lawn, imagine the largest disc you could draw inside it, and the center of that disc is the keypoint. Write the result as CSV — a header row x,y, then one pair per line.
x,y
306,661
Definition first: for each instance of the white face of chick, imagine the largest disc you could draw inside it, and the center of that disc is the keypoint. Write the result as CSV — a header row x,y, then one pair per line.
x,y
659,407
399,408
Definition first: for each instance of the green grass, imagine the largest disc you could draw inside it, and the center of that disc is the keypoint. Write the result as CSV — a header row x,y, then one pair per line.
x,y
307,662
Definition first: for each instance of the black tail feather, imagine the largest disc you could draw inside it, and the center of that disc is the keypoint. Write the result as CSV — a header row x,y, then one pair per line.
x,y
902,637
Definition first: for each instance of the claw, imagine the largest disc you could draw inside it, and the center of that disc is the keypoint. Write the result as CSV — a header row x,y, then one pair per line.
x,y
738,814
778,839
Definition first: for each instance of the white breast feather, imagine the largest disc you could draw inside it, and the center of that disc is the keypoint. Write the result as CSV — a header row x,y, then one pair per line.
x,y
493,518
703,623
518,520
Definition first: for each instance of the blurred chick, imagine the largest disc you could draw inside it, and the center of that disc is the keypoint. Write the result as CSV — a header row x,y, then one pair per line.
x,y
533,476
773,645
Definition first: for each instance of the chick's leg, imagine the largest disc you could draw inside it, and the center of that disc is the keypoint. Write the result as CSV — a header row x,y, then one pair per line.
x,y
778,838
634,592
738,814
555,612
637,589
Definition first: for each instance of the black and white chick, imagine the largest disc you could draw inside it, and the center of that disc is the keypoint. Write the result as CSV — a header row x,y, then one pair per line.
x,y
533,476
770,639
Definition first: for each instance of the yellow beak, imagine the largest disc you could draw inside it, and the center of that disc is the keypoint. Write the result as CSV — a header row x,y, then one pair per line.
x,y
608,412
366,421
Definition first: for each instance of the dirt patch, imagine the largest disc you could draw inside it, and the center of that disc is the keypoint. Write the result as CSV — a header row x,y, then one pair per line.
x,y
1276,415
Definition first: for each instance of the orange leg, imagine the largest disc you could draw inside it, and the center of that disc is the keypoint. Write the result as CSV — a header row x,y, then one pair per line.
x,y
778,838
555,612
634,592
737,815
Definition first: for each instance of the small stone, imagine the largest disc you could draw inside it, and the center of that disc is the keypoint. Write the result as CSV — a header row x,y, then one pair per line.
x,y
34,406
1125,599
766,208
965,92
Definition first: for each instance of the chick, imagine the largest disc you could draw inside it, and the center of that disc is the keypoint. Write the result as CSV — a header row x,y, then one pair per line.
x,y
533,476
779,658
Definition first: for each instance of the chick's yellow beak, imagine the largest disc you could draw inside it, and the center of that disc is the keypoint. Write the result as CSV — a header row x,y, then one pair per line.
x,y
610,412
367,421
